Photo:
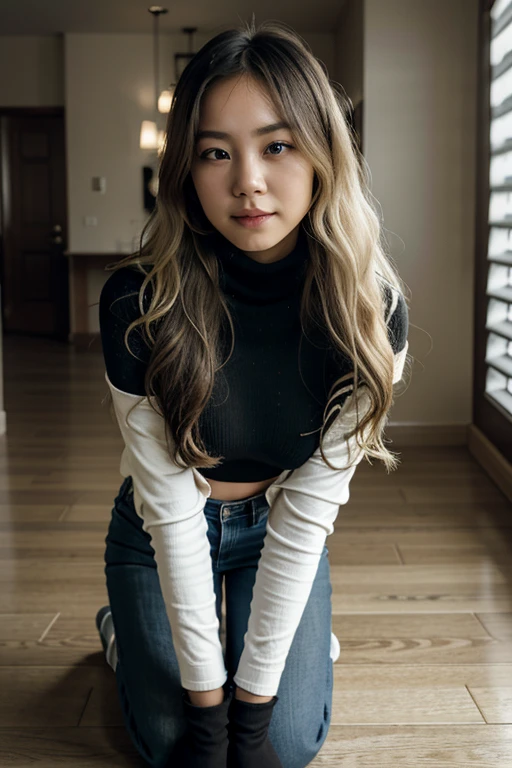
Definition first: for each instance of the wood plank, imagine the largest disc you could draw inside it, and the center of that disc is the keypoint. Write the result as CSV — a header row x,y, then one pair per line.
x,y
77,747
45,696
50,640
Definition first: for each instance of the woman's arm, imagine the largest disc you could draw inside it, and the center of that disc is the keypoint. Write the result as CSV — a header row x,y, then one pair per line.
x,y
302,515
169,499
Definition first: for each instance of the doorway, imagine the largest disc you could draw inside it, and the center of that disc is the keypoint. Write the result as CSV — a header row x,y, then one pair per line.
x,y
34,270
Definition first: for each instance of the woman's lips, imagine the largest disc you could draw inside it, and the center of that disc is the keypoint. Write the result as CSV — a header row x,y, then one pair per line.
x,y
253,221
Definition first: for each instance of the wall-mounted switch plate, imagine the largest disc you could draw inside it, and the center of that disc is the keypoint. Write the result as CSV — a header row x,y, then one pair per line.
x,y
99,184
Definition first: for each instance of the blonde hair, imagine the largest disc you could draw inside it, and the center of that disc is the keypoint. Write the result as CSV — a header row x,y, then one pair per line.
x,y
348,269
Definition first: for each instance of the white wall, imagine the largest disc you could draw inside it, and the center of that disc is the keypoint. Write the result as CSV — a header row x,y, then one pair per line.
x,y
420,70
108,81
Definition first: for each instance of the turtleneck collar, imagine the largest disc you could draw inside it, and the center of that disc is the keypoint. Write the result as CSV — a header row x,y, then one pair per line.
x,y
252,282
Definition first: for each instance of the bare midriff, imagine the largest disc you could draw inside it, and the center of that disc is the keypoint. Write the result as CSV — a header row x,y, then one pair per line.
x,y
223,491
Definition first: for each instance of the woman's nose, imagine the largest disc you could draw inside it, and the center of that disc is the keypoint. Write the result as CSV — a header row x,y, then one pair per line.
x,y
248,178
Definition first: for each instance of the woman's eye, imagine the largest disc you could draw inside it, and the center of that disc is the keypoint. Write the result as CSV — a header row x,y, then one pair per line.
x,y
205,154
279,144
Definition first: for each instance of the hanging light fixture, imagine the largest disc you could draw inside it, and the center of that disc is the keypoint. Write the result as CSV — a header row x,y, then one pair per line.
x,y
180,62
151,137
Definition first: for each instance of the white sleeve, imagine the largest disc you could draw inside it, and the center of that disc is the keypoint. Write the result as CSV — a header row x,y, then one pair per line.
x,y
171,500
303,507
400,358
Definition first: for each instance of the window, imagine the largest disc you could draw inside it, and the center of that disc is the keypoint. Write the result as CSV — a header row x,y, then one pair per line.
x,y
498,358
492,381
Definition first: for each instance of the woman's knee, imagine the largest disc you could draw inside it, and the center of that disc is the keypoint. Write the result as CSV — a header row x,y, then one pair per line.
x,y
297,742
155,724
160,740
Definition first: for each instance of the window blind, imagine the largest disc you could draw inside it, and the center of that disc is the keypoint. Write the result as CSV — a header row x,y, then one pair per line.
x,y
498,379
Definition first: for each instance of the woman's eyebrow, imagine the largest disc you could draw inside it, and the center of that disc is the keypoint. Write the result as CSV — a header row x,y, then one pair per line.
x,y
258,132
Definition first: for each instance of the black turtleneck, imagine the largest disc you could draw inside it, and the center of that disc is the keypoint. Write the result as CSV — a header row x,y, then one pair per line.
x,y
260,405
261,402
251,282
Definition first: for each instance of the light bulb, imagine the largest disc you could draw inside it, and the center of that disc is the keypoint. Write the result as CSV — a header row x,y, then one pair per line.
x,y
148,135
164,101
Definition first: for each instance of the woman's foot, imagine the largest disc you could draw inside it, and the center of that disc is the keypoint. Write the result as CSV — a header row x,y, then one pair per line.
x,y
105,627
335,647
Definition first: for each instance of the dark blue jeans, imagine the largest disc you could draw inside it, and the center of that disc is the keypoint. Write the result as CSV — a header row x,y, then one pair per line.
x,y
147,671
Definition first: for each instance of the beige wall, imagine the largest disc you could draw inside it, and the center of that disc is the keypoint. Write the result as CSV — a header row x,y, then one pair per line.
x,y
420,68
32,71
349,50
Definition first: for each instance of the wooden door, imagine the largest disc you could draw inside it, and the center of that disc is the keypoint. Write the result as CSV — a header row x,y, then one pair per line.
x,y
34,279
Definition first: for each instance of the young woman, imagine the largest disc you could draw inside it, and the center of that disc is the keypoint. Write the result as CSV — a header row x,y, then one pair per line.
x,y
251,349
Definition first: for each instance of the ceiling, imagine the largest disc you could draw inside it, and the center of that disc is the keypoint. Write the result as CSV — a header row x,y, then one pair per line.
x,y
50,17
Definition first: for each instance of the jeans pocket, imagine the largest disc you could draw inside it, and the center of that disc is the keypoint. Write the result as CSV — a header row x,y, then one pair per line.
x,y
262,517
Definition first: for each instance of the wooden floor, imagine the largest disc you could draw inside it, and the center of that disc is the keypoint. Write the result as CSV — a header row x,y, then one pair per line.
x,y
421,573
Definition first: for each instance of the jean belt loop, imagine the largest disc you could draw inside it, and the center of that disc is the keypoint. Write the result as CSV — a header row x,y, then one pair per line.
x,y
252,502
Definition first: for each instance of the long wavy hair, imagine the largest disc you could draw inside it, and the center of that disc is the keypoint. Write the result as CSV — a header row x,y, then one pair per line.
x,y
348,267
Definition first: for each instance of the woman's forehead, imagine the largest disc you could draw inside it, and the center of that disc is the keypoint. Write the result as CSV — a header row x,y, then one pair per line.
x,y
237,105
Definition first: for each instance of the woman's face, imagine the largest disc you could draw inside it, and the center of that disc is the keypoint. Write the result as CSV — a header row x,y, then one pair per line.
x,y
245,169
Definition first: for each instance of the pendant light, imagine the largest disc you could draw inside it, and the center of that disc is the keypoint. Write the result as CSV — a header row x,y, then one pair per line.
x,y
151,137
180,61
